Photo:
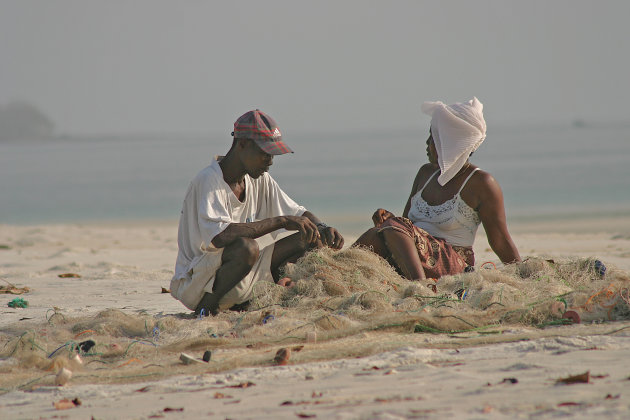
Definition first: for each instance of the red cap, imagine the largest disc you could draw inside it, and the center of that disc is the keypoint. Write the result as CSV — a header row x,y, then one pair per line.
x,y
261,128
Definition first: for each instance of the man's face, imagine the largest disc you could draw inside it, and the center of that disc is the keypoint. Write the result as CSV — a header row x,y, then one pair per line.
x,y
255,160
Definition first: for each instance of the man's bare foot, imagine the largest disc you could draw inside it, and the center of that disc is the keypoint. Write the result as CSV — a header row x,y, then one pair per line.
x,y
209,304
286,282
240,307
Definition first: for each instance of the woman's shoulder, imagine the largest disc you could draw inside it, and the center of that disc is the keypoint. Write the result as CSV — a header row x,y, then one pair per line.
x,y
483,183
424,173
481,177
427,170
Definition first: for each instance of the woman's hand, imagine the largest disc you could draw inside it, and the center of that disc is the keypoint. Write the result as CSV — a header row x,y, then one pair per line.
x,y
380,216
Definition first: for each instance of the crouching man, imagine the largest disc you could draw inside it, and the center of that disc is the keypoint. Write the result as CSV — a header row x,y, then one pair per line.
x,y
234,222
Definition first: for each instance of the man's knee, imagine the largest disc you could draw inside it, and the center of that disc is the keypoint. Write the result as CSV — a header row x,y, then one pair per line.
x,y
245,249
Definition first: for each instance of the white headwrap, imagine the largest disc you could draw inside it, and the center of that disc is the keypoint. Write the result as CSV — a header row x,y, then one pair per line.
x,y
457,131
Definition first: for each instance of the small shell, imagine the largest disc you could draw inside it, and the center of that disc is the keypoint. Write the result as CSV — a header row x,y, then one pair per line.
x,y
63,376
187,359
77,359
282,356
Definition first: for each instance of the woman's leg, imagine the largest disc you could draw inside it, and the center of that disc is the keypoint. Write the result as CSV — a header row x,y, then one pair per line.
x,y
400,247
403,250
373,240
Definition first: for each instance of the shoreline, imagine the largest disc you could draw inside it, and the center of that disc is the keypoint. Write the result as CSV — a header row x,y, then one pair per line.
x,y
613,221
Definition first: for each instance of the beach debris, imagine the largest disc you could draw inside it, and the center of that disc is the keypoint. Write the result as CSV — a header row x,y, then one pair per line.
x,y
582,378
245,384
83,333
132,360
509,381
85,346
311,337
11,289
599,268
305,415
170,409
282,356
612,397
188,359
573,316
221,395
206,356
77,359
165,290
232,402
558,308
315,396
266,317
63,376
6,247
65,404
69,276
18,303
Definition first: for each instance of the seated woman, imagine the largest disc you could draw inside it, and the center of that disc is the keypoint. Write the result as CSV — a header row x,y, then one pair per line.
x,y
436,233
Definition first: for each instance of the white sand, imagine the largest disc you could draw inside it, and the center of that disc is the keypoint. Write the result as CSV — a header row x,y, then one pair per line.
x,y
124,266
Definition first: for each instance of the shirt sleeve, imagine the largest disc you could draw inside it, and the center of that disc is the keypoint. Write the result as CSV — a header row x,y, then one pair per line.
x,y
212,210
278,202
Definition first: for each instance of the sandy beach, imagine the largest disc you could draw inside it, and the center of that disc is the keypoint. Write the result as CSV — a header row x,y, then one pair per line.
x,y
78,275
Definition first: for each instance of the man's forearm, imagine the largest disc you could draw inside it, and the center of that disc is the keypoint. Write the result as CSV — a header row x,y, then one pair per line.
x,y
251,230
310,216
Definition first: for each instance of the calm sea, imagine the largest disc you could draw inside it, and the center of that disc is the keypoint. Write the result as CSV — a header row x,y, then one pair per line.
x,y
559,171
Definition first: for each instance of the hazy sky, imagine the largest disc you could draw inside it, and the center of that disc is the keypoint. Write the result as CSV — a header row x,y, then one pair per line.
x,y
120,66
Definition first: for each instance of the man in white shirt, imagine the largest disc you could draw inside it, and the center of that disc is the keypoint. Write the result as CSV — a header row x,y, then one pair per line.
x,y
234,222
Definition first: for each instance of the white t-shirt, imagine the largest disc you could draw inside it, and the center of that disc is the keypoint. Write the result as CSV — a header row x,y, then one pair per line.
x,y
210,206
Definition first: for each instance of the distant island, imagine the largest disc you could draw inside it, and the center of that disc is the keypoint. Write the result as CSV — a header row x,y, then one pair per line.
x,y
23,121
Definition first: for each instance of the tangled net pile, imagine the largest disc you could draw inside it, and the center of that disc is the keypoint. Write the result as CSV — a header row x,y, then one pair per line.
x,y
343,304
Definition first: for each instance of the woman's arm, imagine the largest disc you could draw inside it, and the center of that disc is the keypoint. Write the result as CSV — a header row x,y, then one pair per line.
x,y
492,213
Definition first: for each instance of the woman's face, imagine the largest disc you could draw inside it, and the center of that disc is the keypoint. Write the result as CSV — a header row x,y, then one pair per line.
x,y
431,151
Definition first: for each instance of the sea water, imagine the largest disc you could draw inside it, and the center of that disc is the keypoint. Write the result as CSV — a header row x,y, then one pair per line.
x,y
544,171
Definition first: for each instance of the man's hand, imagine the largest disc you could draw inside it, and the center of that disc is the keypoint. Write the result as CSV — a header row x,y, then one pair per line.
x,y
331,238
380,216
304,226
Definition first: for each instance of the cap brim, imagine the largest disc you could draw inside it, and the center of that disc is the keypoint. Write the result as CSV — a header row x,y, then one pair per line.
x,y
273,147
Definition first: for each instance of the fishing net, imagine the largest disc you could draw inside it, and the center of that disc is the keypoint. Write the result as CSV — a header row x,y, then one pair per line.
x,y
343,304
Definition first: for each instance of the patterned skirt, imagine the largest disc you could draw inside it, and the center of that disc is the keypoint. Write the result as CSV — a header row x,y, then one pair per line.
x,y
438,258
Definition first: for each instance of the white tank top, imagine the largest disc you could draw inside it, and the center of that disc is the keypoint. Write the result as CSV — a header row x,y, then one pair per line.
x,y
454,220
